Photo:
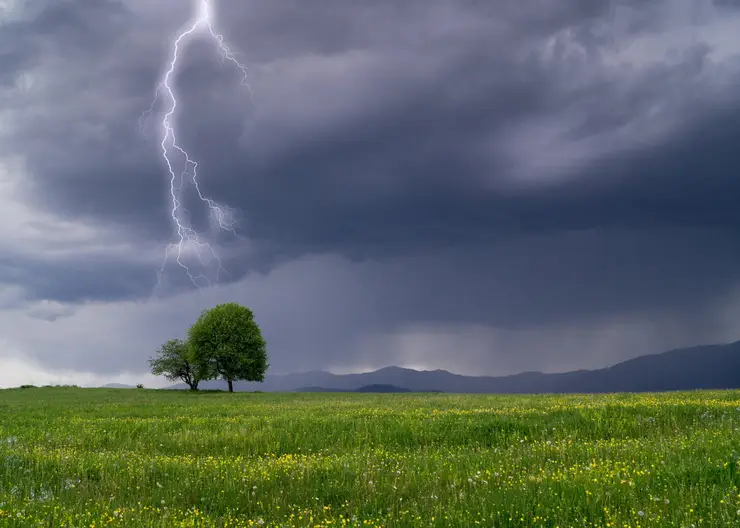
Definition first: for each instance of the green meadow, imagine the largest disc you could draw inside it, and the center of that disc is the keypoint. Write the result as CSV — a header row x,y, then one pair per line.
x,y
100,457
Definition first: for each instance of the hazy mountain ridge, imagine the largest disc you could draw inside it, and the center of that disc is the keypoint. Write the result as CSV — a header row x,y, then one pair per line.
x,y
365,388
701,367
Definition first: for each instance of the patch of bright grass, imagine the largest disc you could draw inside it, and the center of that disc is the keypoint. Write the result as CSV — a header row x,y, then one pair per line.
x,y
95,457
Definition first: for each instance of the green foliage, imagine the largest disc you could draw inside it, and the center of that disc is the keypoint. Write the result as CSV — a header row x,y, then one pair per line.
x,y
228,342
175,361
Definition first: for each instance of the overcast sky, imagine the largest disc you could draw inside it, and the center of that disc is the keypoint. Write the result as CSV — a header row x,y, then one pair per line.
x,y
483,187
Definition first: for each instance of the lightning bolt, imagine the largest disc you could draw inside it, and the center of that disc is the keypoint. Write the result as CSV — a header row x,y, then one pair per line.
x,y
186,238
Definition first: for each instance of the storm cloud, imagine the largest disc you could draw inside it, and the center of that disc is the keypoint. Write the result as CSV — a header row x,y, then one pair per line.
x,y
483,187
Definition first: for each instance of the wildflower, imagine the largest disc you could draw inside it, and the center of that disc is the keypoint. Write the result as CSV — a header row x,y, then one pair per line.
x,y
641,513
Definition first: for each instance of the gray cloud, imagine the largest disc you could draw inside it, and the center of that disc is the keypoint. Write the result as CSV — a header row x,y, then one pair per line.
x,y
495,165
49,311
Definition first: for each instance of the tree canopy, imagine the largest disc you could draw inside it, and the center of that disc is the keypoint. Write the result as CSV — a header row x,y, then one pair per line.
x,y
176,361
227,341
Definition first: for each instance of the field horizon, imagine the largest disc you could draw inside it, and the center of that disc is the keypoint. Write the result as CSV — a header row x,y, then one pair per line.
x,y
715,366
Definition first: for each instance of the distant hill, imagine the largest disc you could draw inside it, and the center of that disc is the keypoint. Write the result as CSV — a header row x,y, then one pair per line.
x,y
702,367
380,387
117,386
365,388
317,389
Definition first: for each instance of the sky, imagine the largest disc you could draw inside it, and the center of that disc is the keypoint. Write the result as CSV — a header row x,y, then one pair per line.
x,y
482,187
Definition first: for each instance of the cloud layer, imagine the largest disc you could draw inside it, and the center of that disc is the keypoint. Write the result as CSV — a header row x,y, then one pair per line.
x,y
515,186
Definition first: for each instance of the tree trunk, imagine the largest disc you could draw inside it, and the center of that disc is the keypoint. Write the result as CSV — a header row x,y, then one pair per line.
x,y
231,385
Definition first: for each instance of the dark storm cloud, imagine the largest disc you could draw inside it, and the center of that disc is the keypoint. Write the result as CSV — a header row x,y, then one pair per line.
x,y
73,280
399,130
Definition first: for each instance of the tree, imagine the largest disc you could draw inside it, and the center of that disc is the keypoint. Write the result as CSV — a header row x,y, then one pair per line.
x,y
227,339
175,360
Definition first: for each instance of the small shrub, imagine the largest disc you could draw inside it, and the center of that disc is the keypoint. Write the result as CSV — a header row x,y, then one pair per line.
x,y
139,386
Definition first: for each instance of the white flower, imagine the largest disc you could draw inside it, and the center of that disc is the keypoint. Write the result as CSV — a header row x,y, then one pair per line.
x,y
641,513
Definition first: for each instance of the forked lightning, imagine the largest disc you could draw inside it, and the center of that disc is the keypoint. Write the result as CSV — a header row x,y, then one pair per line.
x,y
188,239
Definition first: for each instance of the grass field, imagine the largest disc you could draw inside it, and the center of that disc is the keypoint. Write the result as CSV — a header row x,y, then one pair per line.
x,y
95,457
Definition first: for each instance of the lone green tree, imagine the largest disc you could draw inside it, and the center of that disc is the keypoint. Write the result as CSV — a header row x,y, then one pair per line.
x,y
175,361
228,342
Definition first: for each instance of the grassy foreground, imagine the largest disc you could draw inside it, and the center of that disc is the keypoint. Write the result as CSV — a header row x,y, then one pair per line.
x,y
95,457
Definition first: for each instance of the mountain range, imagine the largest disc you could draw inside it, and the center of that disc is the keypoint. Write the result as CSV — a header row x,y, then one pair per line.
x,y
701,367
